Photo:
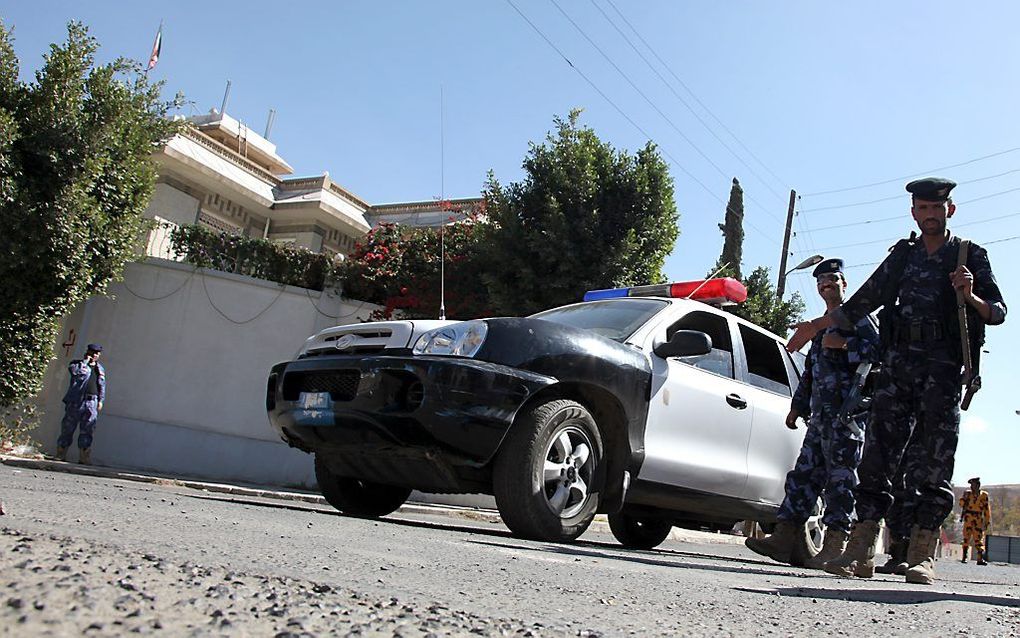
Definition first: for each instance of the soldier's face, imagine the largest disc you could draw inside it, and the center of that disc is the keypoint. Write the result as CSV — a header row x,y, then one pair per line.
x,y
831,286
931,216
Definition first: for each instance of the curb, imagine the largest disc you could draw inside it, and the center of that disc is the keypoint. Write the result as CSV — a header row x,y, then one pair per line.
x,y
600,524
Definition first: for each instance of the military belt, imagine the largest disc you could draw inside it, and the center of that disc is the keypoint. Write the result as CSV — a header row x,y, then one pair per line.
x,y
921,331
975,512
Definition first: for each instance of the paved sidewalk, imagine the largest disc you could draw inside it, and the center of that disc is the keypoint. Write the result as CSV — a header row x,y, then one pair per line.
x,y
600,523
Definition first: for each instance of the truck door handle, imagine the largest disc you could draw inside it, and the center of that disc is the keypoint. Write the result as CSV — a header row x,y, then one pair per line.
x,y
736,401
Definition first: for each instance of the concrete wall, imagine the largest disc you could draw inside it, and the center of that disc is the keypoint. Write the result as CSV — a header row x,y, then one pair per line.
x,y
186,353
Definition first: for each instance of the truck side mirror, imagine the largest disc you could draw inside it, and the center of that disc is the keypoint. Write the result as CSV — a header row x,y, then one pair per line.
x,y
684,343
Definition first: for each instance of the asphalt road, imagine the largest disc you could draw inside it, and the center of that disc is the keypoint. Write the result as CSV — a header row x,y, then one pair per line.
x,y
101,556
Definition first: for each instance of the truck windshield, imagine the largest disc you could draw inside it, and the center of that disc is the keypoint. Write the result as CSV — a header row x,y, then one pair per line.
x,y
616,319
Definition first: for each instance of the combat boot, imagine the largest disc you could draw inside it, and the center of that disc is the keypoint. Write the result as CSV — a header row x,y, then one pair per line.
x,y
832,547
980,557
61,454
964,559
858,559
897,563
789,544
921,556
85,456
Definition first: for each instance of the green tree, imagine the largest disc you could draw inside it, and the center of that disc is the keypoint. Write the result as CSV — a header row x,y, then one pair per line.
x,y
733,232
585,216
764,308
75,175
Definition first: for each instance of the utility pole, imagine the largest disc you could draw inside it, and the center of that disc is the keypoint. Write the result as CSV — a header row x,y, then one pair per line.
x,y
781,286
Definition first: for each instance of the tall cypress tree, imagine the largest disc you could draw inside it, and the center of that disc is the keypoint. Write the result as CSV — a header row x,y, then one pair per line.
x,y
733,233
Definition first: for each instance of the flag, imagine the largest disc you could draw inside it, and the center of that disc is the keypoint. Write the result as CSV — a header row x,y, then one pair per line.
x,y
156,46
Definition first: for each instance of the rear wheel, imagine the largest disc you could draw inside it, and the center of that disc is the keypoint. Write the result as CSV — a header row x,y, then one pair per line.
x,y
355,497
544,475
636,532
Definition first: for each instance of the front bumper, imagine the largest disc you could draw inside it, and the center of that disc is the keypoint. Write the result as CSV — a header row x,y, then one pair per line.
x,y
458,408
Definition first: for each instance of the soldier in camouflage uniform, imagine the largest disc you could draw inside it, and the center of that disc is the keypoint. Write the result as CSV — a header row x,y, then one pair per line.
x,y
831,450
916,286
976,514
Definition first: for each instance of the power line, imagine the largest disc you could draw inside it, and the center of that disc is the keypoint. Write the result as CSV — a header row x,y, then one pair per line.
x,y
903,177
875,263
651,103
894,217
887,199
625,116
693,95
963,225
684,102
639,91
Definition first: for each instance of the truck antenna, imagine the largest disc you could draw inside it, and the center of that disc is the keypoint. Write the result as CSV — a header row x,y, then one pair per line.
x,y
442,205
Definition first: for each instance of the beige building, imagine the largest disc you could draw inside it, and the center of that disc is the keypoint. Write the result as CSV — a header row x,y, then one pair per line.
x,y
221,174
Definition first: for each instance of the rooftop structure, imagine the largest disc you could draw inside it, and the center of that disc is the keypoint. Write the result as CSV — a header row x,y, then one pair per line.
x,y
222,174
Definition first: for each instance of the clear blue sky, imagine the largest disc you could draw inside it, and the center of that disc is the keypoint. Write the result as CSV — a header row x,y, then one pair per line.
x,y
826,96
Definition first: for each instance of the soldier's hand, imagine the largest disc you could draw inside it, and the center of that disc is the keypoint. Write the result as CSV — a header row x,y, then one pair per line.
x,y
834,341
100,406
791,419
963,280
802,333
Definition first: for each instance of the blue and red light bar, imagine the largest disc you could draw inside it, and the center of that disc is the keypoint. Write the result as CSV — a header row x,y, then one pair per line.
x,y
721,291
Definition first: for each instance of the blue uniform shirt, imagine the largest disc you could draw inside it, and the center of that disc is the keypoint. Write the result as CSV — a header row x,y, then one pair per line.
x,y
829,372
81,374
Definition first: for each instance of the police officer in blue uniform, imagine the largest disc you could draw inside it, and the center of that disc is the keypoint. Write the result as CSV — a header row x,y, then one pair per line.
x,y
82,403
919,391
831,450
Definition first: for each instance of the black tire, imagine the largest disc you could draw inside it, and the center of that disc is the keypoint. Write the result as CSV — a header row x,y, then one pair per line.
x,y
534,501
355,497
636,532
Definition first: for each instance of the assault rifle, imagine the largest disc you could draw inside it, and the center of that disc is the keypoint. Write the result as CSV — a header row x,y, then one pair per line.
x,y
971,376
856,402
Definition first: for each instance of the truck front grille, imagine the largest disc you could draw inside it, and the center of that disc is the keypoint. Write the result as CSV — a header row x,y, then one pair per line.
x,y
342,385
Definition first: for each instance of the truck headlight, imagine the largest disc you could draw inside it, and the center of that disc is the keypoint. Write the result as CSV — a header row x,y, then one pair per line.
x,y
458,340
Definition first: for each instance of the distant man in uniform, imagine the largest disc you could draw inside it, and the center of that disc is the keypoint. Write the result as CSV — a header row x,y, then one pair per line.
x,y
976,514
916,286
82,404
831,450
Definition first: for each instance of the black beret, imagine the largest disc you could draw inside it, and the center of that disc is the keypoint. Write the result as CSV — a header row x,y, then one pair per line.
x,y
931,189
828,266
976,479
94,347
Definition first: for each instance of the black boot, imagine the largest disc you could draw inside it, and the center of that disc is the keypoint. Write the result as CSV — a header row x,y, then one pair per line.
x,y
964,560
980,557
897,563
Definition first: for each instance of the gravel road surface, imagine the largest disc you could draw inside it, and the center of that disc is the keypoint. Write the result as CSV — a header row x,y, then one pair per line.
x,y
92,556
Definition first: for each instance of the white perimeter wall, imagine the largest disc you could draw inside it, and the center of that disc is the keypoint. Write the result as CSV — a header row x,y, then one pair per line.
x,y
185,381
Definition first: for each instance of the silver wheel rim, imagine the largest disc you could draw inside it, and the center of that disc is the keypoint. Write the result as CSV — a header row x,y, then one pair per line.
x,y
569,465
815,527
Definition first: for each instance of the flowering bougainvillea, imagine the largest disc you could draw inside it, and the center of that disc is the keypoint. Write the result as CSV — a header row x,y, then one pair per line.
x,y
399,268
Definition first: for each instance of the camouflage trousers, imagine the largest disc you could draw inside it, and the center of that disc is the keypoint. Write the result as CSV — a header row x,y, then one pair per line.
x,y
827,467
900,517
918,395
974,532
79,416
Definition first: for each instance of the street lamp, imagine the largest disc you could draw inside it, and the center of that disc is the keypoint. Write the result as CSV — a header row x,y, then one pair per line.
x,y
807,263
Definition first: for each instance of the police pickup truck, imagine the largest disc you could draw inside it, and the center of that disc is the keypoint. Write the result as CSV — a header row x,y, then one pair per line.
x,y
651,404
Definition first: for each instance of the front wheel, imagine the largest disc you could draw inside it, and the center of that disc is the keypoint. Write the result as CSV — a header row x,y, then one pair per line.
x,y
355,497
636,532
544,476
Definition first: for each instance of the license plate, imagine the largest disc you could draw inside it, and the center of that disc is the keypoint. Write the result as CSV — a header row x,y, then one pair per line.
x,y
315,401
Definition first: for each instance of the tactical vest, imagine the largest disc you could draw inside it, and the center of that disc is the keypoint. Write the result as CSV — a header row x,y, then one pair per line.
x,y
887,316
